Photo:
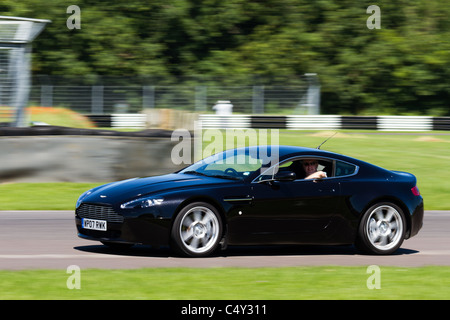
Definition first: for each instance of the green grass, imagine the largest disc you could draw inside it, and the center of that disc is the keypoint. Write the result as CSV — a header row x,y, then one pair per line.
x,y
328,282
426,156
41,196
58,116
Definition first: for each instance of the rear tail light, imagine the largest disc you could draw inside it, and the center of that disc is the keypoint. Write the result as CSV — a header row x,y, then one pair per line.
x,y
415,191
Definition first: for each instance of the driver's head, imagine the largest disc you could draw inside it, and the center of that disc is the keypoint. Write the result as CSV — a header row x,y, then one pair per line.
x,y
310,165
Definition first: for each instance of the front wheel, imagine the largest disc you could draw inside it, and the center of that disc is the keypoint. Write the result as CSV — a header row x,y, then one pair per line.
x,y
382,229
197,230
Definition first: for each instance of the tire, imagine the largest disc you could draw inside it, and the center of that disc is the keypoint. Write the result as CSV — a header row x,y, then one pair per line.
x,y
197,230
382,229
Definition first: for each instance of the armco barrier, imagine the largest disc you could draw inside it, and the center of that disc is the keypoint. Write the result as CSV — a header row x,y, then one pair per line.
x,y
404,123
293,122
332,122
128,120
359,122
441,123
328,122
211,121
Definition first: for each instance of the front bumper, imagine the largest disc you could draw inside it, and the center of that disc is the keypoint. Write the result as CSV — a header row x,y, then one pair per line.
x,y
137,230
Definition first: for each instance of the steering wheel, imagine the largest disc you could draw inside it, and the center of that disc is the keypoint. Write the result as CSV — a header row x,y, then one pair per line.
x,y
231,171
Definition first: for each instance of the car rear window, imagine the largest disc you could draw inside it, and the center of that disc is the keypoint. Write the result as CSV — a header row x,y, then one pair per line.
x,y
344,169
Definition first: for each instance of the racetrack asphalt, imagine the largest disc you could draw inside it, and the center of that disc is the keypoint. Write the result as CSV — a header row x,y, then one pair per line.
x,y
48,240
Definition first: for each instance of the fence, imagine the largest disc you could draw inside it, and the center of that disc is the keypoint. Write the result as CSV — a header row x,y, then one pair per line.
x,y
106,95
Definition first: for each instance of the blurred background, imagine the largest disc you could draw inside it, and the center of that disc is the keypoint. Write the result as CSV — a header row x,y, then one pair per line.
x,y
184,54
285,64
160,65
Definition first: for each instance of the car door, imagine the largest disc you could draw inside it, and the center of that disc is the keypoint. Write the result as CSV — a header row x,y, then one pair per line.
x,y
284,212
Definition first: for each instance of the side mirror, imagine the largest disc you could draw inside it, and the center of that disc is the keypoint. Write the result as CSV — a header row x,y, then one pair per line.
x,y
285,176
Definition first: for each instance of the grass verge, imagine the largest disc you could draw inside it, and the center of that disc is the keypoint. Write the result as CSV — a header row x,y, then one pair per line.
x,y
290,283
58,116
41,196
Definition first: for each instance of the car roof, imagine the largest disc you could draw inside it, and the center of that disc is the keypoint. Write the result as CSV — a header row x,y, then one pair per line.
x,y
288,151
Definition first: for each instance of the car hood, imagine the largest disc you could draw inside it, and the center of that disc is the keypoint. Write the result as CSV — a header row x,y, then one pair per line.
x,y
126,190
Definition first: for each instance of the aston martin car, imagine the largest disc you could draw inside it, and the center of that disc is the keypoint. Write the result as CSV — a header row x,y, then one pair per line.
x,y
261,195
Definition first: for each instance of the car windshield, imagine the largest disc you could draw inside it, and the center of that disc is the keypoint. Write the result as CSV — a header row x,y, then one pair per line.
x,y
235,164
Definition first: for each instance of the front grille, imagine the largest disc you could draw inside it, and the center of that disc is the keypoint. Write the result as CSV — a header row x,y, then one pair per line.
x,y
92,211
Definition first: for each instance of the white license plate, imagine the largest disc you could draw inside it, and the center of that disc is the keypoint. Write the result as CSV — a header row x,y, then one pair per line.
x,y
93,224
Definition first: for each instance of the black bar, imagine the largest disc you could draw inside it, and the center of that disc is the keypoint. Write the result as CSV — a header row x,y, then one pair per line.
x,y
101,120
359,122
441,123
268,122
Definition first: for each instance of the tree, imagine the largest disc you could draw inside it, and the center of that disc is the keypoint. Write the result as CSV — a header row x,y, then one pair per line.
x,y
404,67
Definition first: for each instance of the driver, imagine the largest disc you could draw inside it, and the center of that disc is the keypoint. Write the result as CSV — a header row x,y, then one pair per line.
x,y
310,167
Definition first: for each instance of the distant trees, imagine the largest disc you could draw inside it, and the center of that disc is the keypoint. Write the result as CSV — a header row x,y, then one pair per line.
x,y
403,67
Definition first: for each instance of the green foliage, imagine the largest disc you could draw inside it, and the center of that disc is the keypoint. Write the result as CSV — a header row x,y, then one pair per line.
x,y
401,68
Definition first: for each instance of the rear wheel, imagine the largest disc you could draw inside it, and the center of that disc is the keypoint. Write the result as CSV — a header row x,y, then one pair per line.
x,y
197,230
382,229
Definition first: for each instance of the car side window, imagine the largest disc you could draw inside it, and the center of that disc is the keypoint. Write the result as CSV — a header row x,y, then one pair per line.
x,y
332,168
344,169
299,169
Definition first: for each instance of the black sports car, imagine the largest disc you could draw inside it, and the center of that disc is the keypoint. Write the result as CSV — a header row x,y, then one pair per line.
x,y
237,197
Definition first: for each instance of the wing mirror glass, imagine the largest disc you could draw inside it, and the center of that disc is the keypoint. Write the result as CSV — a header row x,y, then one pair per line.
x,y
285,176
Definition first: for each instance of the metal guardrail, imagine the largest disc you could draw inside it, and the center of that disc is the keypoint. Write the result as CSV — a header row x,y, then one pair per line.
x,y
406,123
323,122
290,122
211,121
441,123
128,120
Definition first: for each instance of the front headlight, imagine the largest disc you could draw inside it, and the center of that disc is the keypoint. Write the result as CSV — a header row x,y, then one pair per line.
x,y
141,203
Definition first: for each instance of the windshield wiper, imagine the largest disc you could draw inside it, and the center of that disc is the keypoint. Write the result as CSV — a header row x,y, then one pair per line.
x,y
195,173
224,176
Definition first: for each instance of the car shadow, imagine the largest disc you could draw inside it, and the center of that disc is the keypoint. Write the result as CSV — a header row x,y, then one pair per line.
x,y
237,251
135,251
